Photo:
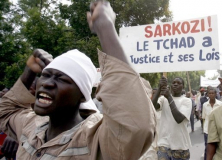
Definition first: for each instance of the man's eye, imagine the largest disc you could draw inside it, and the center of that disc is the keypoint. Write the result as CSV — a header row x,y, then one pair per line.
x,y
63,80
45,75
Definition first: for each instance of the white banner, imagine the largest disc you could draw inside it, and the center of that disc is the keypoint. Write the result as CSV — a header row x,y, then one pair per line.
x,y
173,46
205,82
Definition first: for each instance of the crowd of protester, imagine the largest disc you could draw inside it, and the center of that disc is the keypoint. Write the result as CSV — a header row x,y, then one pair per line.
x,y
54,116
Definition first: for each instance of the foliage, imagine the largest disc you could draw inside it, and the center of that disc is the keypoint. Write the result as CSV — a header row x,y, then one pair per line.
x,y
12,43
194,77
129,13
57,28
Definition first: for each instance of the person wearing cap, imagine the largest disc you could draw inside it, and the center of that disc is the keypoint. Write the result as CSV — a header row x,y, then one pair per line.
x,y
124,131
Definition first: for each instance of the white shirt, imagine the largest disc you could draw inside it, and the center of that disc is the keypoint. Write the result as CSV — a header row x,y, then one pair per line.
x,y
207,109
171,134
197,101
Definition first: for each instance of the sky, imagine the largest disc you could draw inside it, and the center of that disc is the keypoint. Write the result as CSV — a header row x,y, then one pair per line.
x,y
189,9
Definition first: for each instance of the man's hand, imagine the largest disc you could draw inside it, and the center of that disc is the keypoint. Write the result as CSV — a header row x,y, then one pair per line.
x,y
39,60
35,64
9,147
163,82
100,13
165,91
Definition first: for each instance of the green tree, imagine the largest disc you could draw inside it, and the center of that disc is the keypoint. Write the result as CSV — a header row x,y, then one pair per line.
x,y
129,13
12,43
44,28
194,77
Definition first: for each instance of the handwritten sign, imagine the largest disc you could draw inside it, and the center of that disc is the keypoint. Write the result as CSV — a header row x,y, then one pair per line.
x,y
174,46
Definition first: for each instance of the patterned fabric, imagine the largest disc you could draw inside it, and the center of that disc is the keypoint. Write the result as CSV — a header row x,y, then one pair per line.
x,y
164,153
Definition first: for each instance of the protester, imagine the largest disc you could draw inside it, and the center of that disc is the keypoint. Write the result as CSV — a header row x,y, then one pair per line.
x,y
214,146
219,88
126,129
203,99
192,112
173,140
197,101
208,107
183,93
9,145
193,95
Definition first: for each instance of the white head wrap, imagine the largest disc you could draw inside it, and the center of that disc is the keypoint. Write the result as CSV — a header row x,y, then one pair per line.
x,y
89,105
80,69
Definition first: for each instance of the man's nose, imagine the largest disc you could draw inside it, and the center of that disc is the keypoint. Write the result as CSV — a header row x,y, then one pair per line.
x,y
48,83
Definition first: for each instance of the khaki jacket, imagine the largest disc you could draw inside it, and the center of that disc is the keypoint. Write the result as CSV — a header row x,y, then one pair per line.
x,y
124,131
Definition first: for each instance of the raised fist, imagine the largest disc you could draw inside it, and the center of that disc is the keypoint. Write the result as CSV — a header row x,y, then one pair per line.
x,y
39,60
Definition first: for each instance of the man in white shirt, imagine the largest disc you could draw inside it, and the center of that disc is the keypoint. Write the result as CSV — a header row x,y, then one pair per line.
x,y
208,107
173,140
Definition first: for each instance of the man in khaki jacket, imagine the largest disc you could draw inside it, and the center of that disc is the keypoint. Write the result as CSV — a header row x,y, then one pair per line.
x,y
124,131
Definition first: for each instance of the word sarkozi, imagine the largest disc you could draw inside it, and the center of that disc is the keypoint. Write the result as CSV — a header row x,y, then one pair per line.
x,y
177,28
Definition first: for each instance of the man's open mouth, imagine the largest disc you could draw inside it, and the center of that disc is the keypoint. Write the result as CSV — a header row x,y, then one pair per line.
x,y
44,98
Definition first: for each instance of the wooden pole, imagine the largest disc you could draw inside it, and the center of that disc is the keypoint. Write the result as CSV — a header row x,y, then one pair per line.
x,y
188,79
165,74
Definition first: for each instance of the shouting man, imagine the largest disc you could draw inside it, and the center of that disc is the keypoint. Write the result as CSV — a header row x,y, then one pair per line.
x,y
124,131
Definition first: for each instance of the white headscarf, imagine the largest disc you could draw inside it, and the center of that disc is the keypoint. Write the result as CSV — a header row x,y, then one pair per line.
x,y
81,70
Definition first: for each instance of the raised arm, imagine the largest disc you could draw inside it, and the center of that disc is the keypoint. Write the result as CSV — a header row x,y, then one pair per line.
x,y
128,125
101,21
35,64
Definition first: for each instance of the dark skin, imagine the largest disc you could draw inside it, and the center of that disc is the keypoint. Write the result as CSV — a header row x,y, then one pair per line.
x,y
207,94
211,150
176,88
211,147
202,93
220,79
60,107
65,95
212,97
9,148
